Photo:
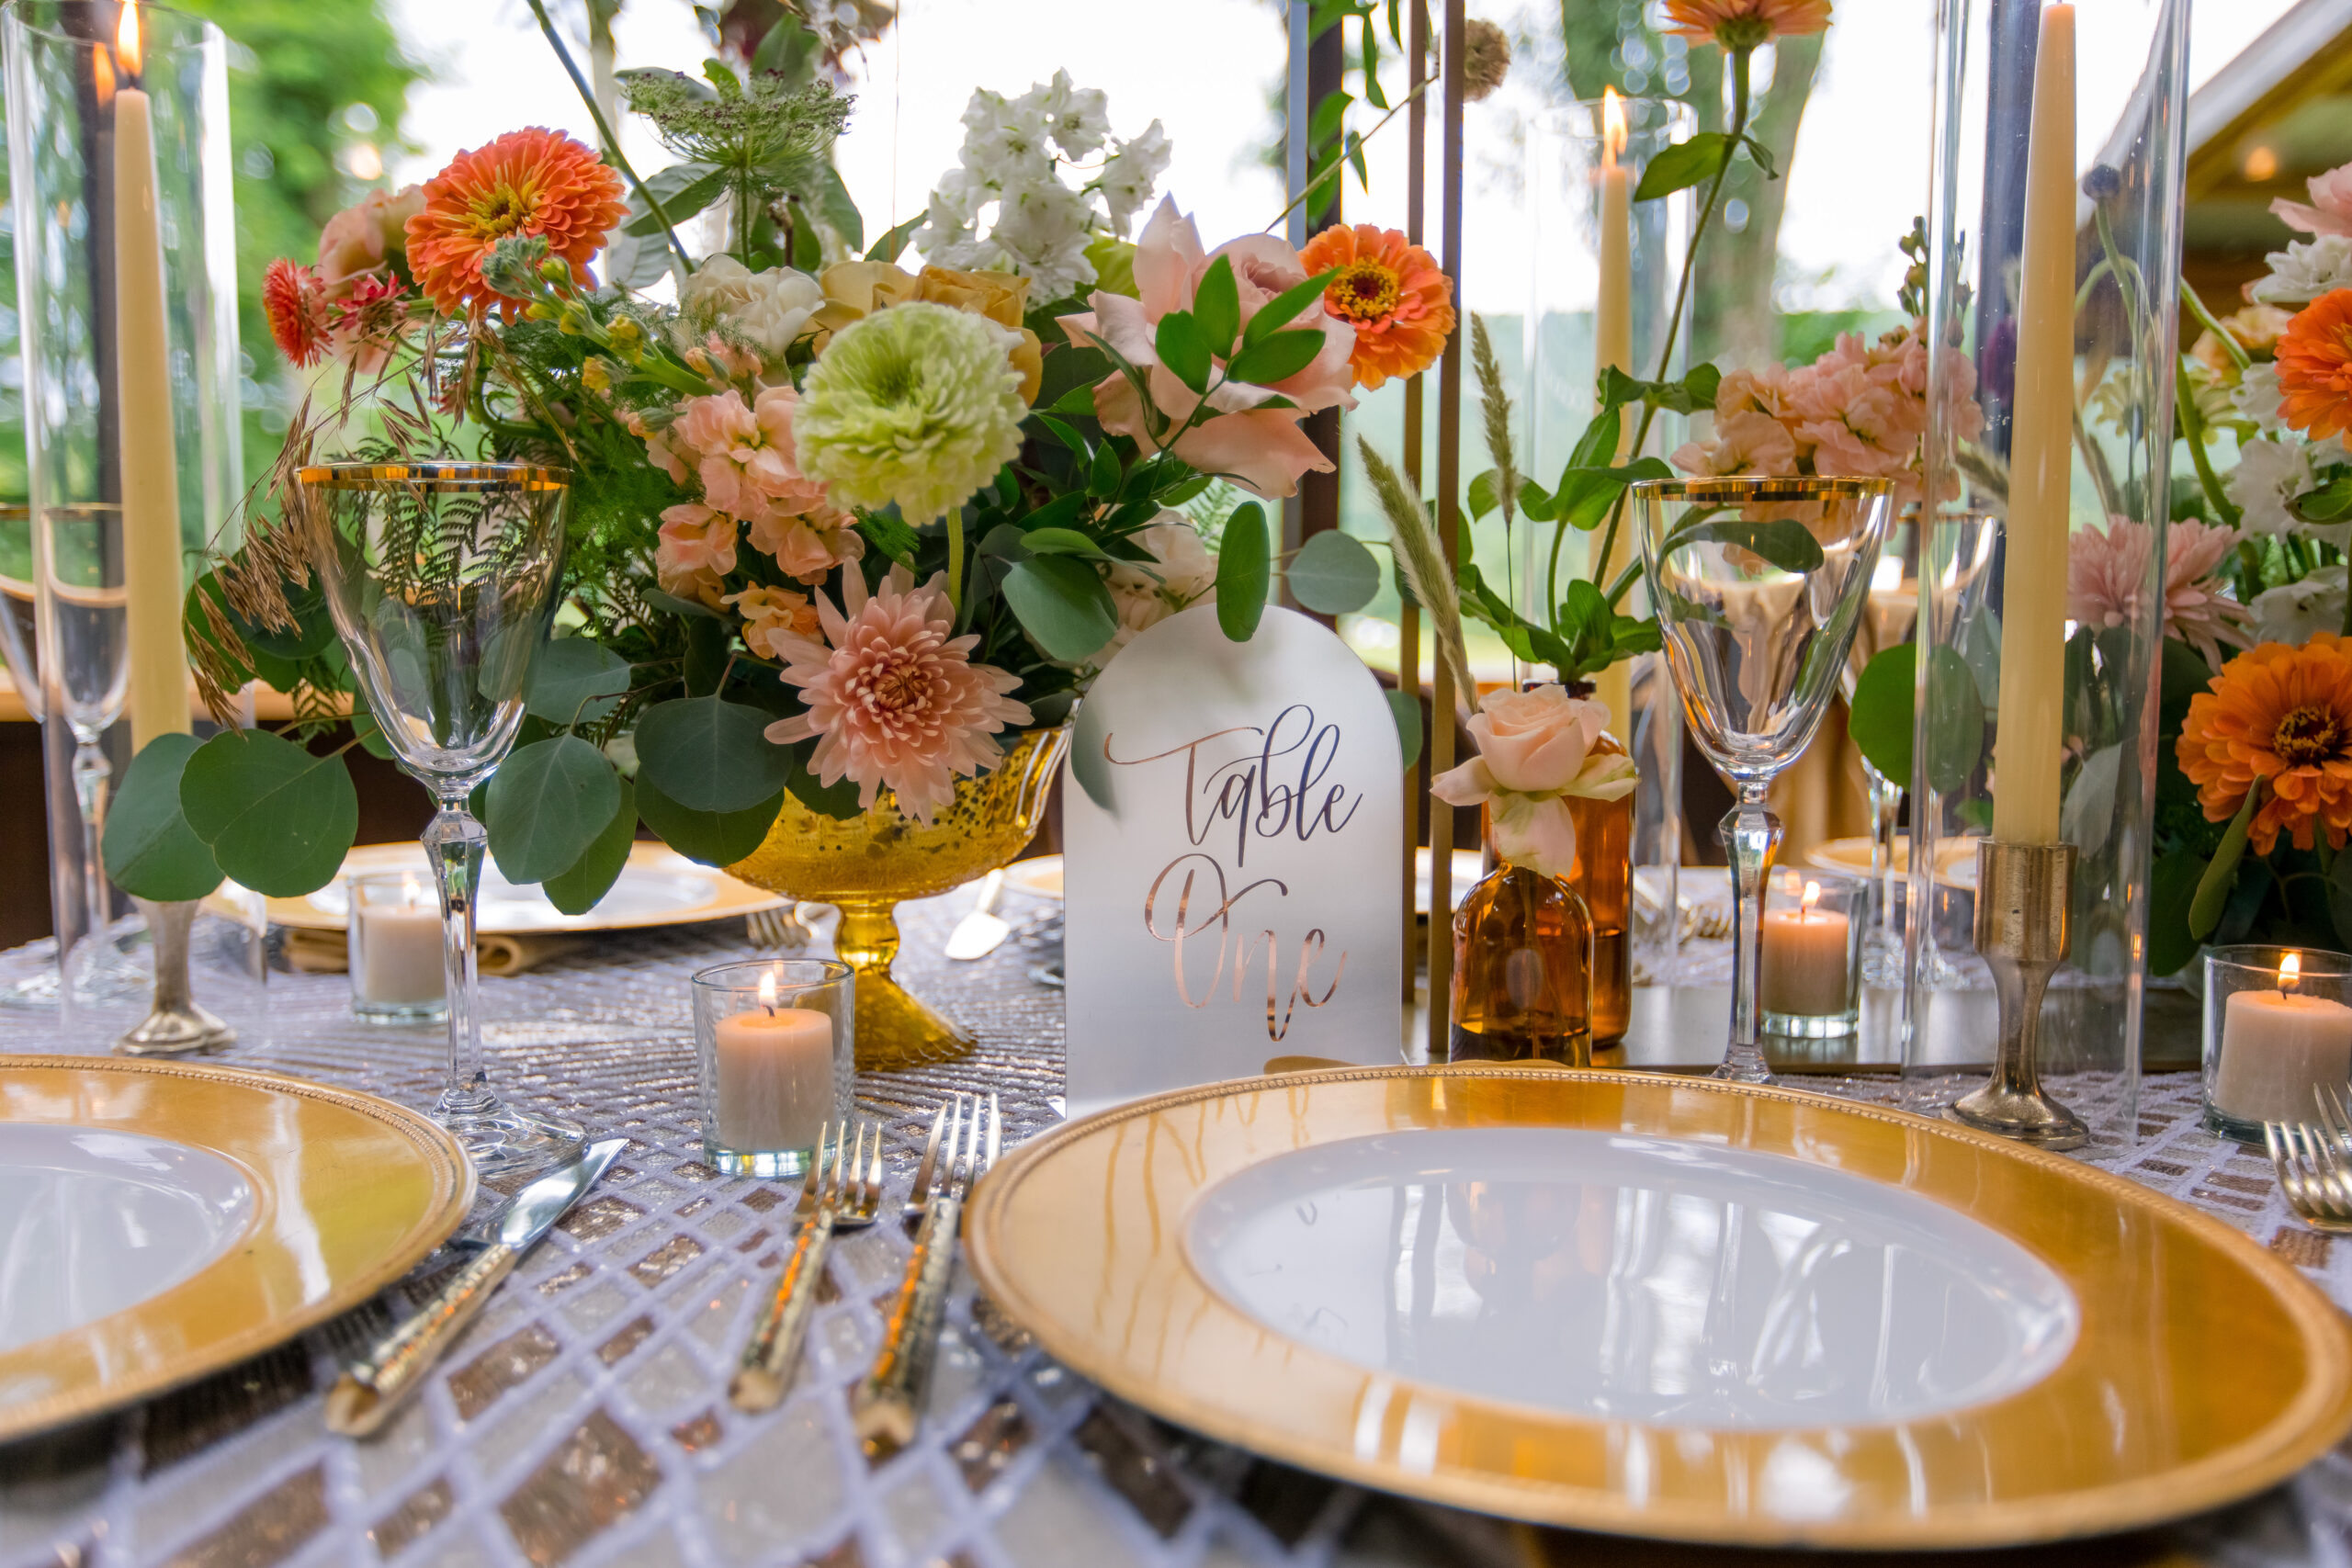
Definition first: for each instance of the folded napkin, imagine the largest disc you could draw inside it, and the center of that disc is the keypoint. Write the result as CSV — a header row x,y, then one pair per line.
x,y
329,952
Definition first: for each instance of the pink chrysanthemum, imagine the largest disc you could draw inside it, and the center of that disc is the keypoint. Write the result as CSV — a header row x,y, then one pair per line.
x,y
895,700
2104,572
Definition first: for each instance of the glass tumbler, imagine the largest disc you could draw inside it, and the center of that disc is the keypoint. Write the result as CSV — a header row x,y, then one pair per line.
x,y
2277,1032
1809,974
775,1045
394,921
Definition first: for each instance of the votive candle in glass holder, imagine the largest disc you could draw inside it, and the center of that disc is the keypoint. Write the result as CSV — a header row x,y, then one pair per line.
x,y
1810,971
2278,1027
393,919
776,1042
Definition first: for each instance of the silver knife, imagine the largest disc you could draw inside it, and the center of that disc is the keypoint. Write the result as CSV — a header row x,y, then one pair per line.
x,y
982,931
364,1398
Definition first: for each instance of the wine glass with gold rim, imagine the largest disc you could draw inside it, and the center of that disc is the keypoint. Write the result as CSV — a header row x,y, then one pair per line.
x,y
441,578
1759,584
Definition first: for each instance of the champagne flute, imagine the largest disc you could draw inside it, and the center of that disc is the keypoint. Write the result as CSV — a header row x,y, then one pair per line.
x,y
1759,584
441,577
1888,620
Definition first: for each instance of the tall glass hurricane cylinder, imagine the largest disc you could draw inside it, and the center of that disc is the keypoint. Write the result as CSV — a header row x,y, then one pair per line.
x,y
441,578
2005,84
67,76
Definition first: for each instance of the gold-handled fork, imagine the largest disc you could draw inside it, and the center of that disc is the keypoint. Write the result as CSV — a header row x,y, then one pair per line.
x,y
779,930
2311,1164
887,1406
848,1197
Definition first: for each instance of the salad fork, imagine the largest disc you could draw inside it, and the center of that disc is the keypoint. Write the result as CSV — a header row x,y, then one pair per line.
x,y
849,1197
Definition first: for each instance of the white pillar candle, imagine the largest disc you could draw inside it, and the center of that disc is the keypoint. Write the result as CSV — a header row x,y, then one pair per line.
x,y
151,489
776,1075
1802,970
2031,734
396,947
2276,1046
1612,345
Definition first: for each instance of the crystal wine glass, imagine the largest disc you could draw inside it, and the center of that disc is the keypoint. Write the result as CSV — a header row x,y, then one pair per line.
x,y
1758,585
441,578
1887,621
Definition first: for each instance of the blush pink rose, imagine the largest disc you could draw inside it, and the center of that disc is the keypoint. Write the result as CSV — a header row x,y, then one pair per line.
x,y
2331,209
1535,752
1536,741
358,239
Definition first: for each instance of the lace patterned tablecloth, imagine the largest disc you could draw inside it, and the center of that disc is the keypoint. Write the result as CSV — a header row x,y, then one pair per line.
x,y
582,1420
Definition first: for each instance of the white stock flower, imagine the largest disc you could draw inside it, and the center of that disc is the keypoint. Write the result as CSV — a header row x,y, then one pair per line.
x,y
2293,613
1131,175
1079,117
1144,597
1043,230
2257,399
2270,476
769,308
2305,270
1004,140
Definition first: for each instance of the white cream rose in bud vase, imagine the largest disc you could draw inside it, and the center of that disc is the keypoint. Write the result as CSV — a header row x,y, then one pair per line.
x,y
1535,752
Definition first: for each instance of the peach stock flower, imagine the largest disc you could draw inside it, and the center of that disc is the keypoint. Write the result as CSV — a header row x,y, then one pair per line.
x,y
2105,571
531,182
769,612
743,452
1394,294
893,700
1745,24
2282,716
696,548
1535,748
2315,367
295,300
1260,447
807,545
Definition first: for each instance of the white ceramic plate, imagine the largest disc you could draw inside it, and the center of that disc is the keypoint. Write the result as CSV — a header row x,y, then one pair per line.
x,y
659,887
1734,1289
94,1221
1955,859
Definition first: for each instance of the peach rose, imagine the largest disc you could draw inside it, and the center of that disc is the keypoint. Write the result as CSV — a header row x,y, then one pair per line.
x,y
1535,752
358,239
855,289
1536,741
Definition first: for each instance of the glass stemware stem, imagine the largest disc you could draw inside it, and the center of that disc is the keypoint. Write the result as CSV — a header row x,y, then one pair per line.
x,y
92,774
1883,951
454,841
1751,838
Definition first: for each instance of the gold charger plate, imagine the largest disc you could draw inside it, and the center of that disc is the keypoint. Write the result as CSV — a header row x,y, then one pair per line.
x,y
1955,859
2204,1369
725,896
348,1193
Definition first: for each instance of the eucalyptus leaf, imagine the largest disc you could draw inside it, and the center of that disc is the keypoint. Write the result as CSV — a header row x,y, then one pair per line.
x,y
711,755
1784,541
1879,716
1243,573
574,681
1062,604
278,819
582,888
548,802
837,800
1955,721
1333,574
670,604
2172,888
684,190
1407,709
149,850
708,838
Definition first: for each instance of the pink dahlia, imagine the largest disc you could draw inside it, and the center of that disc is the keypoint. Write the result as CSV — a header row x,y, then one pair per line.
x,y
894,700
2104,573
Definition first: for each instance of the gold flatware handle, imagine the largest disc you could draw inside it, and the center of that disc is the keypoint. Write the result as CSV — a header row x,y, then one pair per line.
x,y
887,1407
765,1371
364,1398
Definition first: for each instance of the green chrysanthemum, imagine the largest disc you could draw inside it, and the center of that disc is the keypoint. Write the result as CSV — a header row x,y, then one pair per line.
x,y
915,404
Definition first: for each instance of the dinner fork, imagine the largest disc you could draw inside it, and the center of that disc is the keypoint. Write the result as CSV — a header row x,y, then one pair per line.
x,y
2310,1166
846,1198
780,929
887,1406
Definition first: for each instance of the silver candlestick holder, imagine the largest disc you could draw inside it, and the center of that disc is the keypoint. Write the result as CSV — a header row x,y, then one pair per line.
x,y
2023,892
175,1026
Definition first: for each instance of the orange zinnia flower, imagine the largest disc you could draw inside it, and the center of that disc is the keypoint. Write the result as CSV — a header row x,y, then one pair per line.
x,y
2315,367
1391,291
528,182
2282,716
1745,24
295,300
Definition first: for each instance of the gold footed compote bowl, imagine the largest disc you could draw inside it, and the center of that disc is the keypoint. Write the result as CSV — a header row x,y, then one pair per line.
x,y
865,866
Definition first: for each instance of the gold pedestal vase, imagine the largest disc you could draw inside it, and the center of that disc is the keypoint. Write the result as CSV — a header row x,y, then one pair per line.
x,y
865,866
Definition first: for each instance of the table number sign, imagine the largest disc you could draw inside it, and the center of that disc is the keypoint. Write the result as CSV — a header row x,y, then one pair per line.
x,y
1231,824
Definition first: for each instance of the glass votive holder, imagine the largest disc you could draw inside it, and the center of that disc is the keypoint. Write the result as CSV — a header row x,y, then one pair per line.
x,y
2277,1028
775,1043
1809,972
393,923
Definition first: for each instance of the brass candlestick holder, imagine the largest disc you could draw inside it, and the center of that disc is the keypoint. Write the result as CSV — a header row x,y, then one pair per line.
x,y
175,1026
2023,892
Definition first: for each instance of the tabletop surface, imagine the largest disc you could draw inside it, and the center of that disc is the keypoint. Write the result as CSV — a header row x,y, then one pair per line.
x,y
582,1419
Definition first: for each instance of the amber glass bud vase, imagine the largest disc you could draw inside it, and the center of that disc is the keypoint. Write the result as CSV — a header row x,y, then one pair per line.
x,y
1522,971
1603,877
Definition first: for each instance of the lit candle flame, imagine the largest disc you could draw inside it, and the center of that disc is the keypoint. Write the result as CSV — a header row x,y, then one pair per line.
x,y
126,38
2290,971
1812,896
1613,125
409,890
768,990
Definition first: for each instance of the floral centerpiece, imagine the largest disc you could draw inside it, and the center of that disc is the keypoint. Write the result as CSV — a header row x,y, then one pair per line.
x,y
839,525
